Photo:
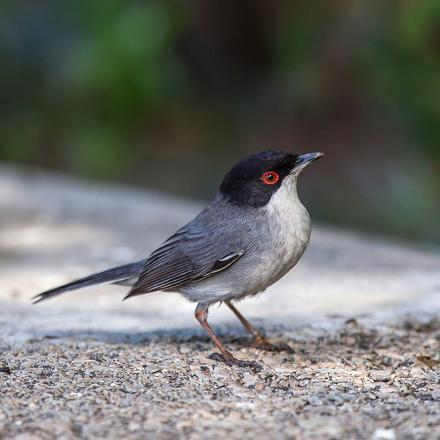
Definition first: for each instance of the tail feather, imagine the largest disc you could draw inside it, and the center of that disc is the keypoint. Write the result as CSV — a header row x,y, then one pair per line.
x,y
126,281
115,275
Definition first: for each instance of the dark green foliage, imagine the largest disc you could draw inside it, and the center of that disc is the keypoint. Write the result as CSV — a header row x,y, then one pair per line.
x,y
131,90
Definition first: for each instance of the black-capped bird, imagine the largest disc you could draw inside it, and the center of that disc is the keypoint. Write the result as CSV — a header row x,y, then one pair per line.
x,y
249,236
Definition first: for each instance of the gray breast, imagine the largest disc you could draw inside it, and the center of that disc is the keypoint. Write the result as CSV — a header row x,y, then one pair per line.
x,y
276,237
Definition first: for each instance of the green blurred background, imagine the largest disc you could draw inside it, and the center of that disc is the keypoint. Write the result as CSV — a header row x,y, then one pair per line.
x,y
168,94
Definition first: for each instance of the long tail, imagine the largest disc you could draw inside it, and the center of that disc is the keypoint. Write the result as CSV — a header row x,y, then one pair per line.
x,y
115,275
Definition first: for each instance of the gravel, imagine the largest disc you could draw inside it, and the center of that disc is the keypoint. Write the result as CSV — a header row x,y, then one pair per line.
x,y
356,383
360,313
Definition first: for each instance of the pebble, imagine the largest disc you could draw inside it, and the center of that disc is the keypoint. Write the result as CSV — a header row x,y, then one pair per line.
x,y
259,387
4,368
380,375
249,381
384,434
314,401
436,393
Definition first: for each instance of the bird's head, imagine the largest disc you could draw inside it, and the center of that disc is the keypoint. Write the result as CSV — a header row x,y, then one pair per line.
x,y
253,180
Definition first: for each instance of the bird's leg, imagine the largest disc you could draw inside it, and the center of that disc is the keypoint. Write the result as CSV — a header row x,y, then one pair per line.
x,y
259,340
225,355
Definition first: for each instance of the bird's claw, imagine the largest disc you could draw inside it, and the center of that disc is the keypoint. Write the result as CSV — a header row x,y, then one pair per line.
x,y
264,344
232,361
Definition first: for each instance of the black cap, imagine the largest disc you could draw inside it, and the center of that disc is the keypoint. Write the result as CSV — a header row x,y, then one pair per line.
x,y
253,180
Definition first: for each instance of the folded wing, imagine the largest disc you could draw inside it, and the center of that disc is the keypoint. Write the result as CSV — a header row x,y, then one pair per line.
x,y
189,255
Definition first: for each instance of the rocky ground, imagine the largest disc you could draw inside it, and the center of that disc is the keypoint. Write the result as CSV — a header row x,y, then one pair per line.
x,y
355,383
361,315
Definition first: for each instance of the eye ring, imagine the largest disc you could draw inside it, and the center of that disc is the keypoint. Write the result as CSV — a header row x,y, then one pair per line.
x,y
270,177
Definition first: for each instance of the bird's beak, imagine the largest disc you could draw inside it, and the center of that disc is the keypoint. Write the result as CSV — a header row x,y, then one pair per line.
x,y
306,159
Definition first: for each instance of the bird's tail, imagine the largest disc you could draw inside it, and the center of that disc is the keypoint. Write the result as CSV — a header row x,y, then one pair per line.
x,y
116,275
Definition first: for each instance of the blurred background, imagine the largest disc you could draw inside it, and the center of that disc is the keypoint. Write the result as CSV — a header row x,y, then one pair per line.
x,y
168,94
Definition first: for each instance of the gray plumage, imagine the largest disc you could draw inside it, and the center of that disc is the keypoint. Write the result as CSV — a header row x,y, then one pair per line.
x,y
250,235
113,275
257,247
271,242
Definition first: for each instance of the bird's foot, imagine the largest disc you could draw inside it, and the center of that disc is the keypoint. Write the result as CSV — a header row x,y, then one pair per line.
x,y
230,360
262,343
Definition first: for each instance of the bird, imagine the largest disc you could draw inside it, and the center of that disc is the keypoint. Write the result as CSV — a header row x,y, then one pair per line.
x,y
248,236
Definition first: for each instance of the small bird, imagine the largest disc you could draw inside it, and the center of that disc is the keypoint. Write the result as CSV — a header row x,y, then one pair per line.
x,y
249,236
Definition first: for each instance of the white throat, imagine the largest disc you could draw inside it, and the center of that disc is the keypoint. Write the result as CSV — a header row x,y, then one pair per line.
x,y
290,220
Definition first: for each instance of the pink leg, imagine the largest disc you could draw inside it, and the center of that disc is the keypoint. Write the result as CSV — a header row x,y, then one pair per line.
x,y
225,355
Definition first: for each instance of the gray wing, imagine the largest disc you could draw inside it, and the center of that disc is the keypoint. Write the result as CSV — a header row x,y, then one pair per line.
x,y
189,255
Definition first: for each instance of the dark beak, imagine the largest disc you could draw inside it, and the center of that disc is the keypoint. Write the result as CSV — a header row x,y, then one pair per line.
x,y
306,159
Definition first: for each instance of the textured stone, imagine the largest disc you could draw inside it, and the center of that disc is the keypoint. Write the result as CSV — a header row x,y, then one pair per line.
x,y
361,315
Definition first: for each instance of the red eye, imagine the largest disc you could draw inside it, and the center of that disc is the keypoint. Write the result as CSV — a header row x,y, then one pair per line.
x,y
270,178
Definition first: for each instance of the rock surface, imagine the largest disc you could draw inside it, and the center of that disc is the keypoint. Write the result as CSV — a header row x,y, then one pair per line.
x,y
361,313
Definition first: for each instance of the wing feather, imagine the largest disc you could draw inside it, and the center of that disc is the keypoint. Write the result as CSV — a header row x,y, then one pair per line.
x,y
188,256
